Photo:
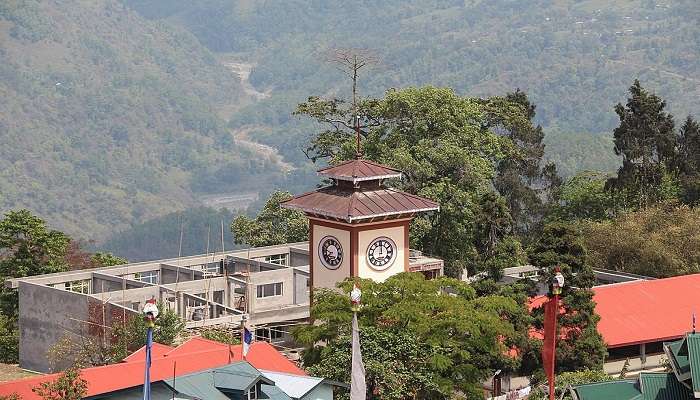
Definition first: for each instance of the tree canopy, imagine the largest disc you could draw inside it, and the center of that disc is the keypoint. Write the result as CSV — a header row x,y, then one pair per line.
x,y
424,339
273,224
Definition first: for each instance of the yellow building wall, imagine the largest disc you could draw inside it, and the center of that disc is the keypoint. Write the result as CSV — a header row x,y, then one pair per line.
x,y
324,277
366,237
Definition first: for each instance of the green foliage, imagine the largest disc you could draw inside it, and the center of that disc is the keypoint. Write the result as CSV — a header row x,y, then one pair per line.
x,y
68,386
28,247
431,338
646,140
109,119
584,197
561,245
160,237
221,335
107,259
13,396
586,52
132,334
658,241
689,160
567,379
9,340
273,224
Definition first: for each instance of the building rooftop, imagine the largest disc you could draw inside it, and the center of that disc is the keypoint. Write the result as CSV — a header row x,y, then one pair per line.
x,y
359,170
196,354
647,310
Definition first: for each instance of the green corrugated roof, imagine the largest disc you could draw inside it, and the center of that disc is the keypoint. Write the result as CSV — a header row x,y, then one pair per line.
x,y
209,384
678,356
613,390
274,393
662,386
693,342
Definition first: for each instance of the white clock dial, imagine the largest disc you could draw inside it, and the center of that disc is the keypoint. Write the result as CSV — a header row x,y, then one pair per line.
x,y
330,252
381,253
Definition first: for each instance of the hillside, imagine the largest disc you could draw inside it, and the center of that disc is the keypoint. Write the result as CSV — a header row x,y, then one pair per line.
x,y
108,118
575,58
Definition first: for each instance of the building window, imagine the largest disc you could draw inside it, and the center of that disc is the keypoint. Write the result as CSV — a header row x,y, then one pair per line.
x,y
81,286
253,393
272,335
270,289
279,259
147,276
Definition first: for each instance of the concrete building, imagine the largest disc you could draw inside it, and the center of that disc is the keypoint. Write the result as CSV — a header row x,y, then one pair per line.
x,y
268,286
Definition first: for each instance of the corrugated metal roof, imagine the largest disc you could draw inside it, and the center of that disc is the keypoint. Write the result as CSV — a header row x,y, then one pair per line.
x,y
692,342
274,393
294,385
614,390
359,170
352,206
662,386
677,353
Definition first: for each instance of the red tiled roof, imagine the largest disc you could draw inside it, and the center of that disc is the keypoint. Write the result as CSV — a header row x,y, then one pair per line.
x,y
643,311
352,206
203,354
359,170
157,350
647,311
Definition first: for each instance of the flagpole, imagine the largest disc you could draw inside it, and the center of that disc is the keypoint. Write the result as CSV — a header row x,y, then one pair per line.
x,y
150,311
358,384
554,346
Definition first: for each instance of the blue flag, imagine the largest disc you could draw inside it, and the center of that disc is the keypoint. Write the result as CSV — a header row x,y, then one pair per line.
x,y
247,340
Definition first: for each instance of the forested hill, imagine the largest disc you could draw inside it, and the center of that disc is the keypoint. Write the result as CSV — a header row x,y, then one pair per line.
x,y
108,118
574,58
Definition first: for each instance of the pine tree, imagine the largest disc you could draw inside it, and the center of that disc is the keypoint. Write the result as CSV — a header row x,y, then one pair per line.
x,y
523,178
689,160
561,245
646,141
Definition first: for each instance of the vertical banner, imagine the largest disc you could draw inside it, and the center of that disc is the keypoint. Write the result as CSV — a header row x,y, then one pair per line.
x,y
549,348
358,386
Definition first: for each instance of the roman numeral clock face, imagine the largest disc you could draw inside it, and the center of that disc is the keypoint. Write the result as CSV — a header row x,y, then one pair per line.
x,y
330,252
381,253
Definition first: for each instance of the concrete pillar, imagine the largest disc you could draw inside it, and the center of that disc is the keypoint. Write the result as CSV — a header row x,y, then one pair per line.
x,y
643,353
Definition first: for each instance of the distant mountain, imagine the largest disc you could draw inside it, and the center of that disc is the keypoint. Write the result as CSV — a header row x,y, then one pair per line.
x,y
575,58
108,118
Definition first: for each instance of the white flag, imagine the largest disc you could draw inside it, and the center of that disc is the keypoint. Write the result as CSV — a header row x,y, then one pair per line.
x,y
358,386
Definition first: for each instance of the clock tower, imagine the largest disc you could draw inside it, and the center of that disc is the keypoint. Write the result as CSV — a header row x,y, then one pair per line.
x,y
358,227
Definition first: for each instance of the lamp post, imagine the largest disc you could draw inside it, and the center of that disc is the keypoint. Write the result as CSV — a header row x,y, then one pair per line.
x,y
493,383
150,313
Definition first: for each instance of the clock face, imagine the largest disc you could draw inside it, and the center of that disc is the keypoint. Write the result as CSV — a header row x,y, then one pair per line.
x,y
381,253
330,252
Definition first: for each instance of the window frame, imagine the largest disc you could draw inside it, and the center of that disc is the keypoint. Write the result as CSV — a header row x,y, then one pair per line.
x,y
261,290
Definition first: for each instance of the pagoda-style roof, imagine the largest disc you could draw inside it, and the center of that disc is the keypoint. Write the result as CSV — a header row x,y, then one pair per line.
x,y
359,170
345,204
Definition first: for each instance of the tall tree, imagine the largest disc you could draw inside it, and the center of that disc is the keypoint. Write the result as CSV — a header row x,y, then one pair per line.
x,y
526,182
273,224
582,346
646,141
689,160
421,339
